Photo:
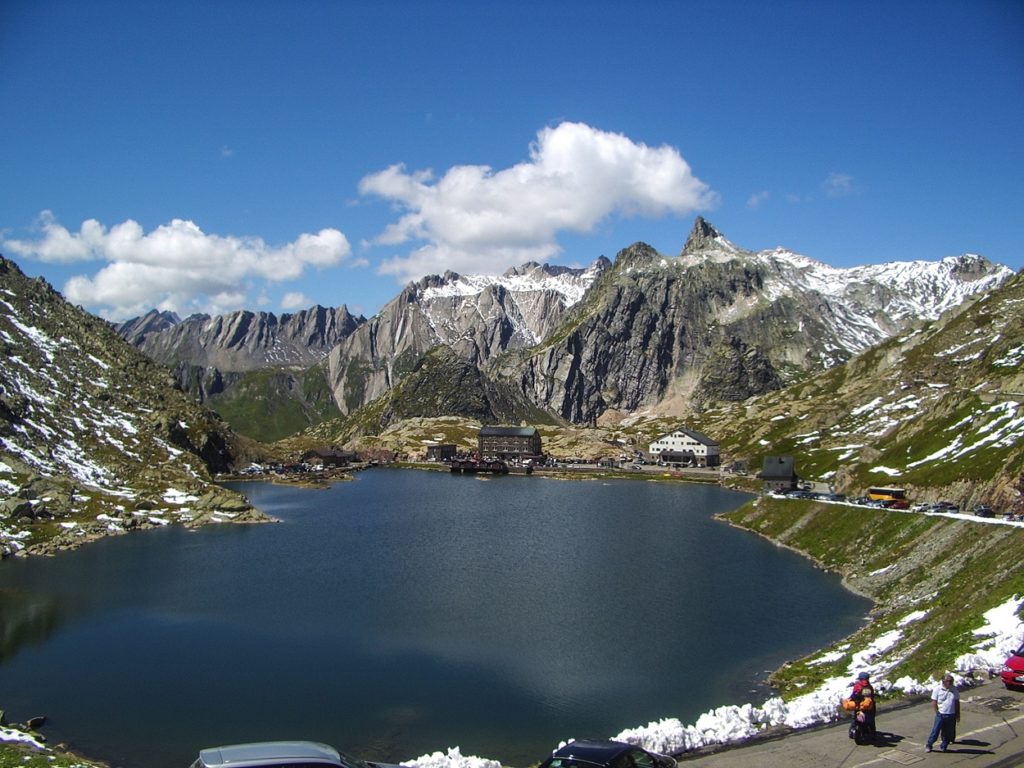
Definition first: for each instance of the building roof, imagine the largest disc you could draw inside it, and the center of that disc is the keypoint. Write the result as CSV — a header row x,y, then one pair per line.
x,y
508,431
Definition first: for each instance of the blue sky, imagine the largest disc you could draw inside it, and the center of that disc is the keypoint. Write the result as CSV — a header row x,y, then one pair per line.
x,y
211,156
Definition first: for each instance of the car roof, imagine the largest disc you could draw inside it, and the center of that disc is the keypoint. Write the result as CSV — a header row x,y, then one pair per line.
x,y
599,752
268,753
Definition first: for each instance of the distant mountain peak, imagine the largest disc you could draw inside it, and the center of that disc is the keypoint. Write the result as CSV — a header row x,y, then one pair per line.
x,y
704,237
137,329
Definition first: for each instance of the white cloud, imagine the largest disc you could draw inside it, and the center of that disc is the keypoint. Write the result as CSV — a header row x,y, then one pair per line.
x,y
176,266
295,300
478,220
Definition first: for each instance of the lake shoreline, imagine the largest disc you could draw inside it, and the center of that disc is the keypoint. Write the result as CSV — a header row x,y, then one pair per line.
x,y
720,517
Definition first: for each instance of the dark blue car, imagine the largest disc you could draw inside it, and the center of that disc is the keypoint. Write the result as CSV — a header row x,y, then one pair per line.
x,y
606,754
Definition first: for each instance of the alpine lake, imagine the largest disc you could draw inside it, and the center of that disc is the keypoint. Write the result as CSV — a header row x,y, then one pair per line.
x,y
406,612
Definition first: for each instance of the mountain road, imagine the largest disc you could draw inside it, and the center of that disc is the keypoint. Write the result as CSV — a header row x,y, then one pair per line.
x,y
990,735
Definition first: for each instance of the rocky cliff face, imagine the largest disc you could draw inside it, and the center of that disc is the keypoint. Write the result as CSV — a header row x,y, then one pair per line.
x,y
719,323
251,366
241,341
478,317
153,322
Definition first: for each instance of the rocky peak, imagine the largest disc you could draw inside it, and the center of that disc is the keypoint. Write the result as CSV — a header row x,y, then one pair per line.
x,y
136,330
701,236
968,266
637,255
704,237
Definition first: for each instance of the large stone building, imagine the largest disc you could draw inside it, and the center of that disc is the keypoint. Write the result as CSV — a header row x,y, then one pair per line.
x,y
509,443
686,447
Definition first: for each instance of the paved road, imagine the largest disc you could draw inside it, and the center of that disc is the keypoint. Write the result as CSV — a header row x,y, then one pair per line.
x,y
990,735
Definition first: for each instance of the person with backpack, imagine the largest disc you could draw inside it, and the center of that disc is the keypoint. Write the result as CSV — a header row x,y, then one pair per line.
x,y
862,703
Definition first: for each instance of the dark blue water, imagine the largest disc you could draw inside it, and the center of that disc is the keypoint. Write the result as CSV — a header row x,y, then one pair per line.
x,y
406,612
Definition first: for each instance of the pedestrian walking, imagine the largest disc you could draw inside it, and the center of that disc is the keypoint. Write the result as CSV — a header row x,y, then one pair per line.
x,y
946,703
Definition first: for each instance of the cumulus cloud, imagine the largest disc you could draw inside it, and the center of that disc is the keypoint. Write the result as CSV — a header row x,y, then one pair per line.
x,y
176,266
478,220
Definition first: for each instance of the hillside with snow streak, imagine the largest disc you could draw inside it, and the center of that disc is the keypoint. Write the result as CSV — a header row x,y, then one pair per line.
x,y
94,437
938,410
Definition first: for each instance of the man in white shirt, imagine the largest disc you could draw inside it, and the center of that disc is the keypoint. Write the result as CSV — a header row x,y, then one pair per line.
x,y
946,703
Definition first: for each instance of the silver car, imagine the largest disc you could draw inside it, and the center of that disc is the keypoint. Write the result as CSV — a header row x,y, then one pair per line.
x,y
277,754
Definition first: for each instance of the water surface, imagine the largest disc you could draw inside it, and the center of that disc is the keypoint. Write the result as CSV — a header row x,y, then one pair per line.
x,y
406,612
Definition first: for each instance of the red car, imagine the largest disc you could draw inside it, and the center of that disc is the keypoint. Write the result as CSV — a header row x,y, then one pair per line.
x,y
1013,670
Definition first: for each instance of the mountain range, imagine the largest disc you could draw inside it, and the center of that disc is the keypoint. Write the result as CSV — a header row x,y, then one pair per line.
x,y
257,369
902,373
650,332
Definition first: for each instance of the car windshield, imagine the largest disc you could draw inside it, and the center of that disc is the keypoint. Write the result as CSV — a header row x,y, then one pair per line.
x,y
621,761
634,758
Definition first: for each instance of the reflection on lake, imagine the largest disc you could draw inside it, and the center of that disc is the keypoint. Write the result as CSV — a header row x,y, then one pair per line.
x,y
25,619
407,612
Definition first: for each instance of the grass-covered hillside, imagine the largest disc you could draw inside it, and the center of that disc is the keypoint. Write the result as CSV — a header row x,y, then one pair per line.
x,y
272,403
941,572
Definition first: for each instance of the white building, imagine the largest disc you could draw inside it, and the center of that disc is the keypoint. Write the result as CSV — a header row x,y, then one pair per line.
x,y
686,447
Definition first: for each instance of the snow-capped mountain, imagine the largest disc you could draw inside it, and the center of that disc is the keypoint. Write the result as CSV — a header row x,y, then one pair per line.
x,y
869,303
720,323
531,297
651,331
938,410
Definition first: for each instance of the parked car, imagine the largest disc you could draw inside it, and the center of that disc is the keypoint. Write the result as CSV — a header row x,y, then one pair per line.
x,y
983,510
1012,672
606,754
276,754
